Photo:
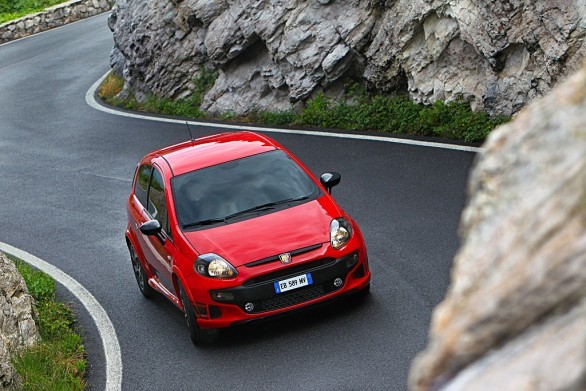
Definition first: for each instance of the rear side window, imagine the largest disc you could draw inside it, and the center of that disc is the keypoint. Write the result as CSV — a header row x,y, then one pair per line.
x,y
142,183
157,203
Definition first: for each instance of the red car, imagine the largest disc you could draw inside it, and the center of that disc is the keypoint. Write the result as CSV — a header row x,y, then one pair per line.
x,y
232,228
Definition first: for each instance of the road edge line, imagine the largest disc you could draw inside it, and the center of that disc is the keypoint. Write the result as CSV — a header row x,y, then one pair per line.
x,y
103,323
91,101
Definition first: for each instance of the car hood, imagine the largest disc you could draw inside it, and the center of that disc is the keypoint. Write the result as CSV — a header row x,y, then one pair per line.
x,y
268,235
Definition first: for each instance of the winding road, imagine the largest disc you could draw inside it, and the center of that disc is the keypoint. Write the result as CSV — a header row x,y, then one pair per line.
x,y
65,173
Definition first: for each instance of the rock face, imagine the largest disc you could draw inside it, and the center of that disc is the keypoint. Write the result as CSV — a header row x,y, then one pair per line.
x,y
273,53
515,314
17,327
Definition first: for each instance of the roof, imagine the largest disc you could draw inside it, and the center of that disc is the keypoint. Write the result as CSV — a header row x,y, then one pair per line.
x,y
209,151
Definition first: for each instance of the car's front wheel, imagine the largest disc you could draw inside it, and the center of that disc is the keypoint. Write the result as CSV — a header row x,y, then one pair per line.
x,y
140,274
198,336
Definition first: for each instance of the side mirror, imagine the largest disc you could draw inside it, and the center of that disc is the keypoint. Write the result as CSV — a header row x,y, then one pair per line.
x,y
330,179
151,227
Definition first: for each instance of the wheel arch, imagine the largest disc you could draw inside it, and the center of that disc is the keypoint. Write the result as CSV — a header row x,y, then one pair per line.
x,y
177,278
130,241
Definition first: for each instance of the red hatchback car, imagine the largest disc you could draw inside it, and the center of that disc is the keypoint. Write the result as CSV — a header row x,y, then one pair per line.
x,y
232,228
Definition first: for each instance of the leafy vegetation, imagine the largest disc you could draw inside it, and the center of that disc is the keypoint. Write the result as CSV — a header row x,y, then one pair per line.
x,y
454,120
358,110
14,9
58,361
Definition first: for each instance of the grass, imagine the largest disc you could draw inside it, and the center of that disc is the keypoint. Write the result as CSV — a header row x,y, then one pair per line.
x,y
14,9
111,86
58,361
358,110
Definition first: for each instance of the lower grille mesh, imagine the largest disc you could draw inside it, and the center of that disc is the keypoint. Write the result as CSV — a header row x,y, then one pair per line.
x,y
289,299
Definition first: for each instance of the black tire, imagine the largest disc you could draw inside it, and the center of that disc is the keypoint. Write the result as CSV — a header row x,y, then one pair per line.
x,y
198,336
140,274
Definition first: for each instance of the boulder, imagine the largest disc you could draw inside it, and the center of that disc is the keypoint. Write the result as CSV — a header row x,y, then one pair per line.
x,y
17,326
514,317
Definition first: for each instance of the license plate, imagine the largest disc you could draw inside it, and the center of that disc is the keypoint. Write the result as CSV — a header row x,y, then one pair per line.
x,y
293,283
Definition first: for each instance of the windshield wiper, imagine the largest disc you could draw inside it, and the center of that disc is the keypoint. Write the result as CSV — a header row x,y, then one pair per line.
x,y
204,222
268,205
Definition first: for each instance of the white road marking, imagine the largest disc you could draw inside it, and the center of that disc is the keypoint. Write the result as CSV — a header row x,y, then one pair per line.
x,y
91,100
97,312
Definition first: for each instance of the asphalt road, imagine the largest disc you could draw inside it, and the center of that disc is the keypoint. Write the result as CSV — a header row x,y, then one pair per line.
x,y
65,171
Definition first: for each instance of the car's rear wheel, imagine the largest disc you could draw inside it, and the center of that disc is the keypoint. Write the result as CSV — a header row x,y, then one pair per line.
x,y
140,274
198,336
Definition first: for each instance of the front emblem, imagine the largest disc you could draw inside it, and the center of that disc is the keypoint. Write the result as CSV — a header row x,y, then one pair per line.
x,y
285,258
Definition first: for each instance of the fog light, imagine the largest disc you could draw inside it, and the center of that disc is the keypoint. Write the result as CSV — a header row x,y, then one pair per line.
x,y
338,282
249,307
351,260
223,296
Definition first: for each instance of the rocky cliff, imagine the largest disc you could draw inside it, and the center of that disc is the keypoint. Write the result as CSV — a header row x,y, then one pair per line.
x,y
272,54
17,327
515,314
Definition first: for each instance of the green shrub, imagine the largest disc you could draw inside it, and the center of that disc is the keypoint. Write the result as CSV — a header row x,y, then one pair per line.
x,y
452,120
357,110
14,9
277,118
227,116
204,81
40,285
316,112
55,318
9,6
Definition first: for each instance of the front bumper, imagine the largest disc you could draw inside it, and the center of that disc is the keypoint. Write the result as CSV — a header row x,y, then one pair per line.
x,y
233,304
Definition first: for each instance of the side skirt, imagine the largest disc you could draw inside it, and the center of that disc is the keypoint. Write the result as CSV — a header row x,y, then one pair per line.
x,y
156,285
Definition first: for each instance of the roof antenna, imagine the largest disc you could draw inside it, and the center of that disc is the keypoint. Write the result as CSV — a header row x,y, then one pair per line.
x,y
189,130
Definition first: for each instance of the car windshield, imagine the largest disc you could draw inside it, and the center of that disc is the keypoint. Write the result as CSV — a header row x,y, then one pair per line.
x,y
239,188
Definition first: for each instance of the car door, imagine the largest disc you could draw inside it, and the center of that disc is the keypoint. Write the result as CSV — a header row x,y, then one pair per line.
x,y
159,249
138,211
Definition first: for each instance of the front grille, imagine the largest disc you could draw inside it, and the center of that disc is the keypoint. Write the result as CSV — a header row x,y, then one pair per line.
x,y
293,253
288,299
289,271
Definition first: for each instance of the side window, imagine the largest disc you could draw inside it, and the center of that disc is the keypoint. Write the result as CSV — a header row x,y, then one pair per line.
x,y
157,205
142,183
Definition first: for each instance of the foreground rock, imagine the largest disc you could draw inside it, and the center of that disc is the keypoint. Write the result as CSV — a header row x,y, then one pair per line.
x,y
515,314
495,54
17,327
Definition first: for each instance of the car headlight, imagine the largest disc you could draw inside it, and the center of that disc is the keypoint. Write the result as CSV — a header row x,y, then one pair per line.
x,y
213,265
340,232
